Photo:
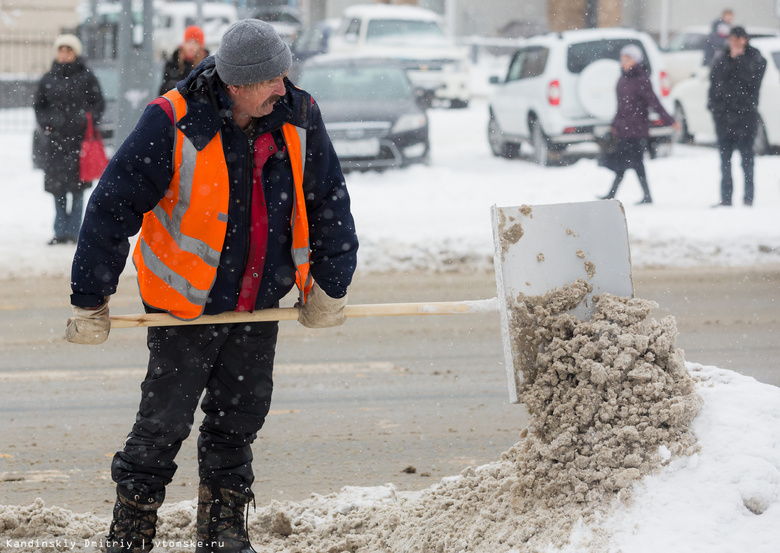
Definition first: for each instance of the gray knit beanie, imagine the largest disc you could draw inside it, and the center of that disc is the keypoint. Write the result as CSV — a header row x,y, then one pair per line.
x,y
250,52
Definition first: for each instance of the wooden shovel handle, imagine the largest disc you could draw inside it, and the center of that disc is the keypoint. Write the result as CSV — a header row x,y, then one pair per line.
x,y
291,313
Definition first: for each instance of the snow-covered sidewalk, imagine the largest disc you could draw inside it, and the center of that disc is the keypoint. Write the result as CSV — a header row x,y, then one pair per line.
x,y
438,217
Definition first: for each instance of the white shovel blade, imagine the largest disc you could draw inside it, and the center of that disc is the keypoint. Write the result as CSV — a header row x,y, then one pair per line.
x,y
543,247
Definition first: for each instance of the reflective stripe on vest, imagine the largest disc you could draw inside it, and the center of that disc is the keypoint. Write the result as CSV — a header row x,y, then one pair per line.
x,y
295,138
181,239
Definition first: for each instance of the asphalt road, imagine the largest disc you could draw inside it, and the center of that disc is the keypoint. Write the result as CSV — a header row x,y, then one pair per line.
x,y
406,400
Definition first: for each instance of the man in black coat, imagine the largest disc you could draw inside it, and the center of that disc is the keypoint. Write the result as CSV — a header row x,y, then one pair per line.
x,y
733,100
718,36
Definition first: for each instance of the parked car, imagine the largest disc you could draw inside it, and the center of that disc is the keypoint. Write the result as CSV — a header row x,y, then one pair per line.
x,y
691,95
370,109
286,20
560,89
417,38
685,53
311,42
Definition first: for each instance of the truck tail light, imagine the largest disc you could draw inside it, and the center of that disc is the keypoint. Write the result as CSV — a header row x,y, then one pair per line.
x,y
554,93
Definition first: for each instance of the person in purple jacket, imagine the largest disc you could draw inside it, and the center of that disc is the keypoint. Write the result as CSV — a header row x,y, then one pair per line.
x,y
631,127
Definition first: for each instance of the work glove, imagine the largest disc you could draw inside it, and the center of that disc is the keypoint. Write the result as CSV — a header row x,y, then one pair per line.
x,y
320,310
88,326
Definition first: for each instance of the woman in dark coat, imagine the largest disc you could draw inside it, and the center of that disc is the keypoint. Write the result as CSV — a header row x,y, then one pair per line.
x,y
631,126
65,95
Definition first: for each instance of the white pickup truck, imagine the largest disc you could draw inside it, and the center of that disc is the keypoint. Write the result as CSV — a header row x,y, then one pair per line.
x,y
416,37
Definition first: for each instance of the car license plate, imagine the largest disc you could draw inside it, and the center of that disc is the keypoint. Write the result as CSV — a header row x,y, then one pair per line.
x,y
367,147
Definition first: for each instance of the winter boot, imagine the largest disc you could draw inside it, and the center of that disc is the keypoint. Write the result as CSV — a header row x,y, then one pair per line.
x,y
135,522
222,521
647,199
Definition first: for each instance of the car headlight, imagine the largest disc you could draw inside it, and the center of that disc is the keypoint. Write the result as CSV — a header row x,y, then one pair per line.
x,y
410,122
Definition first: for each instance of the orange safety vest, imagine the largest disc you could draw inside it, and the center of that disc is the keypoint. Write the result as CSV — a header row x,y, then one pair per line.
x,y
178,251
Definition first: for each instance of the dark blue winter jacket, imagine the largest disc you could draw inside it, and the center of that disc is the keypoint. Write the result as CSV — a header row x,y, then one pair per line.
x,y
138,176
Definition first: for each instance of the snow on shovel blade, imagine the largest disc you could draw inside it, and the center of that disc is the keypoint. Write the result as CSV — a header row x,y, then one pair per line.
x,y
543,247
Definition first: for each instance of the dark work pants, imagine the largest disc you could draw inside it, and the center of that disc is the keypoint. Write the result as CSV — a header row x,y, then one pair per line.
x,y
728,141
233,363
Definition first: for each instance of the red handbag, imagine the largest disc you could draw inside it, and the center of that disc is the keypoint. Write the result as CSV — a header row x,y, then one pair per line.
x,y
92,158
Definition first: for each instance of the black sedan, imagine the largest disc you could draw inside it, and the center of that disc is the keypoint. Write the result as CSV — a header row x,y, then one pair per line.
x,y
373,114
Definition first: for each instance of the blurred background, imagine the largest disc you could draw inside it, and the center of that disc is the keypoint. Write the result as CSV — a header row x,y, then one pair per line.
x,y
137,36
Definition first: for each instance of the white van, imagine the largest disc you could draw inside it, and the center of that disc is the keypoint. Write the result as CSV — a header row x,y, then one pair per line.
x,y
170,19
173,18
414,36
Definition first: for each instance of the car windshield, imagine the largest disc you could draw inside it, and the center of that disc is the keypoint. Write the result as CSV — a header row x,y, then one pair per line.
x,y
583,54
355,83
279,17
389,30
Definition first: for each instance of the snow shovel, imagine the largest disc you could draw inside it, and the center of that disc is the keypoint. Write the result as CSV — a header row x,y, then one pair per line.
x,y
536,249
544,247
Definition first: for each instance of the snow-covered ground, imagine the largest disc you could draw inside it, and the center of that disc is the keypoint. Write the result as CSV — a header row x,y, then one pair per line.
x,y
429,217
723,499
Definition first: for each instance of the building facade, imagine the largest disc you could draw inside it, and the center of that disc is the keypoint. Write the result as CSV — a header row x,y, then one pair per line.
x,y
486,17
28,27
27,32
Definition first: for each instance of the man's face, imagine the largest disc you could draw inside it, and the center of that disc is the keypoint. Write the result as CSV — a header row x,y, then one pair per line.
x,y
737,45
257,100
728,17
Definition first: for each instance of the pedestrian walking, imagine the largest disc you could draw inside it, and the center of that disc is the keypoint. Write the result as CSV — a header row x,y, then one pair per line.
x,y
716,40
631,126
238,194
735,82
185,58
66,94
